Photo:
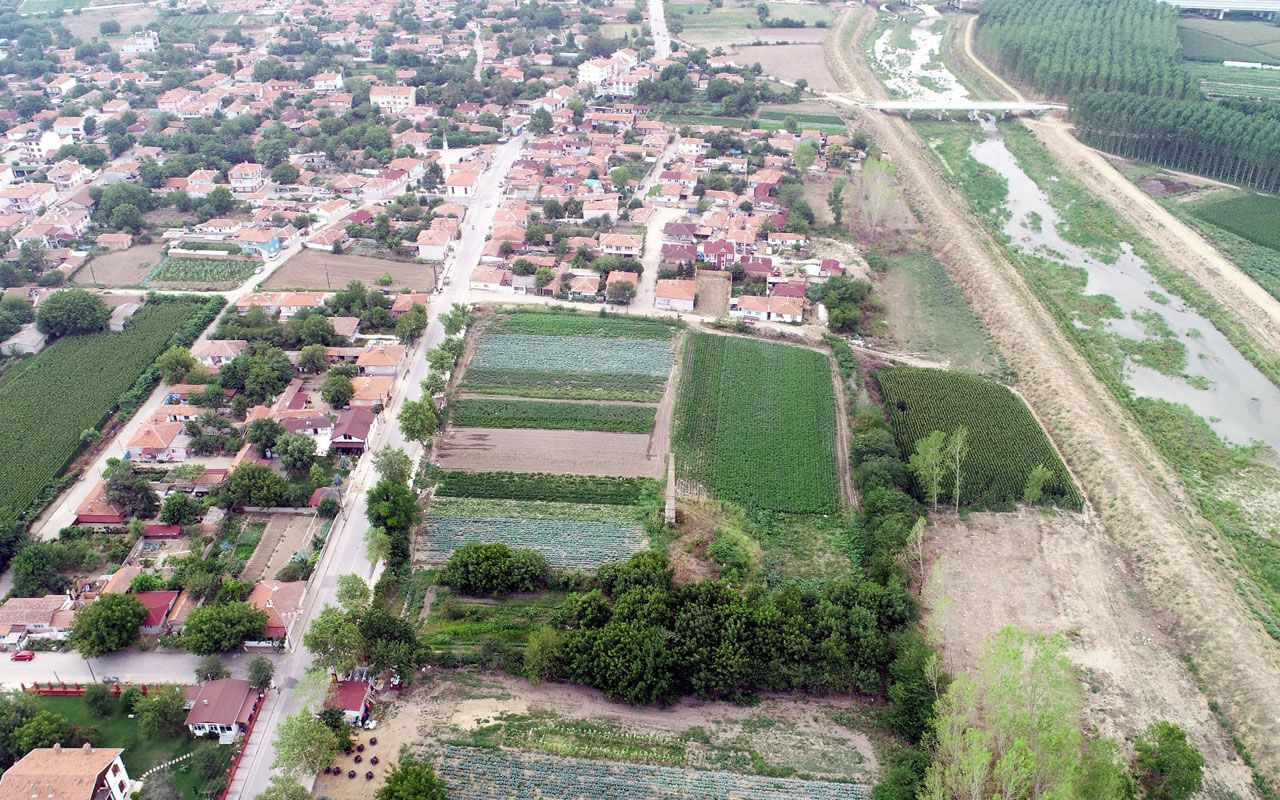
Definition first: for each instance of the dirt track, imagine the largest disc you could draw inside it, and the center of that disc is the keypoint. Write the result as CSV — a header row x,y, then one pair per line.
x,y
1139,500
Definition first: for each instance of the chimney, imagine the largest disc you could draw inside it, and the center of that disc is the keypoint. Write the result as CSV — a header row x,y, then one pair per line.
x,y
88,748
57,747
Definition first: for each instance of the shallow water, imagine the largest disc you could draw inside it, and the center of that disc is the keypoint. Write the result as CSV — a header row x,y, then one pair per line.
x,y
1241,404
914,79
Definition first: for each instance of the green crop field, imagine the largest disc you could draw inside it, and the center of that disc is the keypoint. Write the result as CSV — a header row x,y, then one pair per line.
x,y
202,270
1005,441
482,507
1254,217
537,486
620,356
49,399
565,543
564,385
1229,40
1217,80
756,424
551,323
484,413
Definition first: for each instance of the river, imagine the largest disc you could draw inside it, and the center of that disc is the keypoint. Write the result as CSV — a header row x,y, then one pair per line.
x,y
1239,402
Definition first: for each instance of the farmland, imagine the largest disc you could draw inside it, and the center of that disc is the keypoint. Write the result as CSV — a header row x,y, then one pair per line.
x,y
314,269
549,323
565,543
203,271
532,486
1229,40
574,354
1005,441
756,424
1249,216
473,774
87,375
485,413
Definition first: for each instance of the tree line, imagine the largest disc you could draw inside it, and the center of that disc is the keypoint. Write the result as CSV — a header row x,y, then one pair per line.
x,y
1120,64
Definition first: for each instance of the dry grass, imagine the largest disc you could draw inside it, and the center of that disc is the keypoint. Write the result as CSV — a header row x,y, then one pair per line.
x,y
312,269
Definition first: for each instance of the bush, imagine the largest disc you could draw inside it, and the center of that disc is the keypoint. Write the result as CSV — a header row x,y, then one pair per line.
x,y
494,570
99,700
327,508
129,699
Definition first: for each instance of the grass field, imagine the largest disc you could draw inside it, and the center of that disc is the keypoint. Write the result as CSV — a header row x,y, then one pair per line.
x,y
1005,441
462,625
745,16
756,425
1254,217
51,398
486,413
1229,40
1260,263
1217,80
927,314
142,749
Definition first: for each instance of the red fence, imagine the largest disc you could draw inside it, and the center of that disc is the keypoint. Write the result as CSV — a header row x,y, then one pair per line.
x,y
72,690
238,753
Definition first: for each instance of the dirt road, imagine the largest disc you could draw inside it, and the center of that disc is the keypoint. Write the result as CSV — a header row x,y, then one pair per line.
x,y
1139,500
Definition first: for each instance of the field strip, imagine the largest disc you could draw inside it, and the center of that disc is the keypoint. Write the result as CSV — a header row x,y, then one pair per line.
x,y
483,396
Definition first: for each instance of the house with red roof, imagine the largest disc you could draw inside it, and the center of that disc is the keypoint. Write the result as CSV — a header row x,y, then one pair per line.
x,y
225,707
351,698
158,605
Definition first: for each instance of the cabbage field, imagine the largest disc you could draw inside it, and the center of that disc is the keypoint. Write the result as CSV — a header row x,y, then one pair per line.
x,y
617,356
1005,440
565,543
486,413
474,774
756,424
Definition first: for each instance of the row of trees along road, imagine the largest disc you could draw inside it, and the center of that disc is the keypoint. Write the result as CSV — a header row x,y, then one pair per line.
x,y
1119,65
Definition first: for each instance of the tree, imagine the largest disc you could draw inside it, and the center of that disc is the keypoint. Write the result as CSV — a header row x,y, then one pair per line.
x,y
393,464
412,780
99,700
304,745
264,433
879,192
478,568
71,312
957,452
353,593
15,709
296,452
333,639
128,491
377,544
260,672
32,256
163,711
211,668
127,216
109,27
337,391
218,628
252,484
43,730
1034,488
835,200
160,786
928,464
455,319
107,625
412,324
283,787
180,508
311,358
1167,766
540,122
285,174
620,292
804,155
174,364
419,420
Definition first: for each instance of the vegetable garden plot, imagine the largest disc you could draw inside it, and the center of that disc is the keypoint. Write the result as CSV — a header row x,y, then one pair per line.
x,y
564,385
530,509
484,413
756,424
536,486
619,356
565,543
473,774
551,323
1005,441
202,270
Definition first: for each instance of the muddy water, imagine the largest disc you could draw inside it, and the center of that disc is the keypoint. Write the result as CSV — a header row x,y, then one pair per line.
x,y
918,74
1240,403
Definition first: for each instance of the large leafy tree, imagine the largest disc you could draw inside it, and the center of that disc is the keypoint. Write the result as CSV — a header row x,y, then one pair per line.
x,y
1167,765
304,745
254,485
412,780
107,625
334,639
72,312
162,711
218,628
283,787
128,491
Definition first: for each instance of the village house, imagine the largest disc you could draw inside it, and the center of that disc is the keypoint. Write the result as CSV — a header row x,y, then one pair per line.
x,y
621,244
247,177
391,99
675,295
352,699
159,442
771,309
225,707
47,617
67,773
351,431
381,359
282,603
214,353
491,279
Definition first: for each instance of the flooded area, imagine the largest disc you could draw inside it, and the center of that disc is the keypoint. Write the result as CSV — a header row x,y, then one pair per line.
x,y
907,58
1219,383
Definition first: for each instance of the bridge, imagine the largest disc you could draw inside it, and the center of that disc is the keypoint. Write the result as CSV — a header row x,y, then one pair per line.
x,y
1269,8
941,108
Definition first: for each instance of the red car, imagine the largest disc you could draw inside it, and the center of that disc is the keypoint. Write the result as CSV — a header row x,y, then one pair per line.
x,y
22,655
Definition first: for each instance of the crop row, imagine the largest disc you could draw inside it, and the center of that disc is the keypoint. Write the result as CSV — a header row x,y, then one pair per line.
x,y
590,489
756,424
1253,217
619,356
203,270
1005,441
557,324
563,385
530,509
565,543
477,413
49,399
473,774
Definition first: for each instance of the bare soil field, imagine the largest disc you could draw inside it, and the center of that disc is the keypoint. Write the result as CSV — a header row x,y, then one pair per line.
x,y
120,267
85,24
558,452
810,734
312,269
1057,573
714,291
790,62
1139,501
285,535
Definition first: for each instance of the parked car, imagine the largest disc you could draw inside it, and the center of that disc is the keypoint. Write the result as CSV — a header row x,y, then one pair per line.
x,y
110,679
22,655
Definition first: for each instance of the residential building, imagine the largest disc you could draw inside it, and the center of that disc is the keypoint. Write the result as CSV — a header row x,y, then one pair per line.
x,y
621,244
392,99
247,177
225,707
65,773
47,617
676,295
282,603
351,698
159,441
158,604
351,431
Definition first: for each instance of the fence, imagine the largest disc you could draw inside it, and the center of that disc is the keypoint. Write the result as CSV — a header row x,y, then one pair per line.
x,y
239,752
74,689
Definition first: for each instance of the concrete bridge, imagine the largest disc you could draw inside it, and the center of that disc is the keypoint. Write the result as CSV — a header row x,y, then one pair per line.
x,y
943,108
1264,8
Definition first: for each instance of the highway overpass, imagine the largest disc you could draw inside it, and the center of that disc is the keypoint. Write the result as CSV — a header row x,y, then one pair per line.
x,y
1269,8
